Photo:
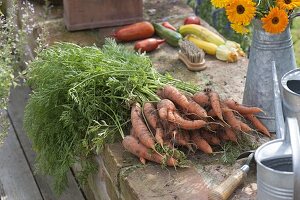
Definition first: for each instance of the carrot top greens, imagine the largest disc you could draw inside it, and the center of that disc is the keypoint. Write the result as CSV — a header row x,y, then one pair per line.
x,y
81,100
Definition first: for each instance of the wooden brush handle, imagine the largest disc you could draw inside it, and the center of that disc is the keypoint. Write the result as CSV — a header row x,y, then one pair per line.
x,y
227,187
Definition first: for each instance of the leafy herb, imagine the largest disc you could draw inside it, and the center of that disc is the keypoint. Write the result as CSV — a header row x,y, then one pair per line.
x,y
13,38
81,100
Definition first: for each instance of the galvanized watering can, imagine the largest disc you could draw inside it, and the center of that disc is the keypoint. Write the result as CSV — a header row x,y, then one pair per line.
x,y
278,161
265,48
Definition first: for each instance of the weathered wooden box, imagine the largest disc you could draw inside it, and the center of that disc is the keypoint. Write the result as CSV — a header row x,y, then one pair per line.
x,y
88,14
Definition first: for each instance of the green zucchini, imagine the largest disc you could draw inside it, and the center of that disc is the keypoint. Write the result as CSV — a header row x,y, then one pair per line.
x,y
171,37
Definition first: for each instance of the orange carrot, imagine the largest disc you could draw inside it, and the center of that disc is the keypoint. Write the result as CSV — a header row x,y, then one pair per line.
x,y
159,134
196,109
171,93
241,108
211,113
223,136
211,139
201,98
231,135
166,106
214,126
187,124
151,114
215,104
257,124
140,127
143,161
245,128
231,119
201,143
132,133
132,145
179,139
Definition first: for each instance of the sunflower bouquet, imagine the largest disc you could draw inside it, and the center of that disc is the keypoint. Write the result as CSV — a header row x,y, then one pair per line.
x,y
274,14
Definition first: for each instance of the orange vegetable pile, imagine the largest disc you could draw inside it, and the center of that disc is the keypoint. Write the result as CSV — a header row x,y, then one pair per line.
x,y
200,121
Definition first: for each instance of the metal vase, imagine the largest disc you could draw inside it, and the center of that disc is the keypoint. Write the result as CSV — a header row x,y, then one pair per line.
x,y
265,48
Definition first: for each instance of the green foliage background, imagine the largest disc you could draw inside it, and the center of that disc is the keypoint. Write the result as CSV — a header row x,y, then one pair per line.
x,y
296,38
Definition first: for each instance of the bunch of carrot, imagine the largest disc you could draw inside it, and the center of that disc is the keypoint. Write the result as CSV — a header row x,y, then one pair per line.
x,y
201,120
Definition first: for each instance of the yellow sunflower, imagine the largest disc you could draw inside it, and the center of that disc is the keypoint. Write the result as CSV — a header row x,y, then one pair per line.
x,y
240,11
239,28
219,3
288,4
276,21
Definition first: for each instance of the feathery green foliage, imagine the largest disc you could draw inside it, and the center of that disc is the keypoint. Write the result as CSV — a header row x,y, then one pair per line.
x,y
81,100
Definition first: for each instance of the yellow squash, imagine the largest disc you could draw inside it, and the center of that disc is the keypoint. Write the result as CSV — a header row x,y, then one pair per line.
x,y
201,32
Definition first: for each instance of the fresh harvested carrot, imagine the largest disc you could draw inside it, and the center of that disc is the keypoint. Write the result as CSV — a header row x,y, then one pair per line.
x,y
223,136
151,114
166,111
214,126
231,119
257,124
179,139
173,94
188,124
169,26
159,134
165,108
201,143
196,109
132,145
241,108
211,113
215,104
211,139
201,98
245,128
140,127
143,161
186,135
231,134
132,133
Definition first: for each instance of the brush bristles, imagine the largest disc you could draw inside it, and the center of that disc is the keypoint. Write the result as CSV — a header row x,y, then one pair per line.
x,y
191,51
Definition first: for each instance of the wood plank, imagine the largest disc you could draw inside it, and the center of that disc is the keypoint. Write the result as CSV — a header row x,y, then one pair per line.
x,y
16,180
18,99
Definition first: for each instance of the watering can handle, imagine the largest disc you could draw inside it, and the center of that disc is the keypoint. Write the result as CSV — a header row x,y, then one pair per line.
x,y
295,15
293,128
278,105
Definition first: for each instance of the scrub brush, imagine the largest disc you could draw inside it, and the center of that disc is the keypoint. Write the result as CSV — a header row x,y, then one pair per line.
x,y
191,56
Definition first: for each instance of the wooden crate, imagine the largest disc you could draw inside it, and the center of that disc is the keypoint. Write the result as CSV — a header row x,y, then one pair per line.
x,y
88,14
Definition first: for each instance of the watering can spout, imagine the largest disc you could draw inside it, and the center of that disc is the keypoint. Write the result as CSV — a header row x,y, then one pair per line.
x,y
279,119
